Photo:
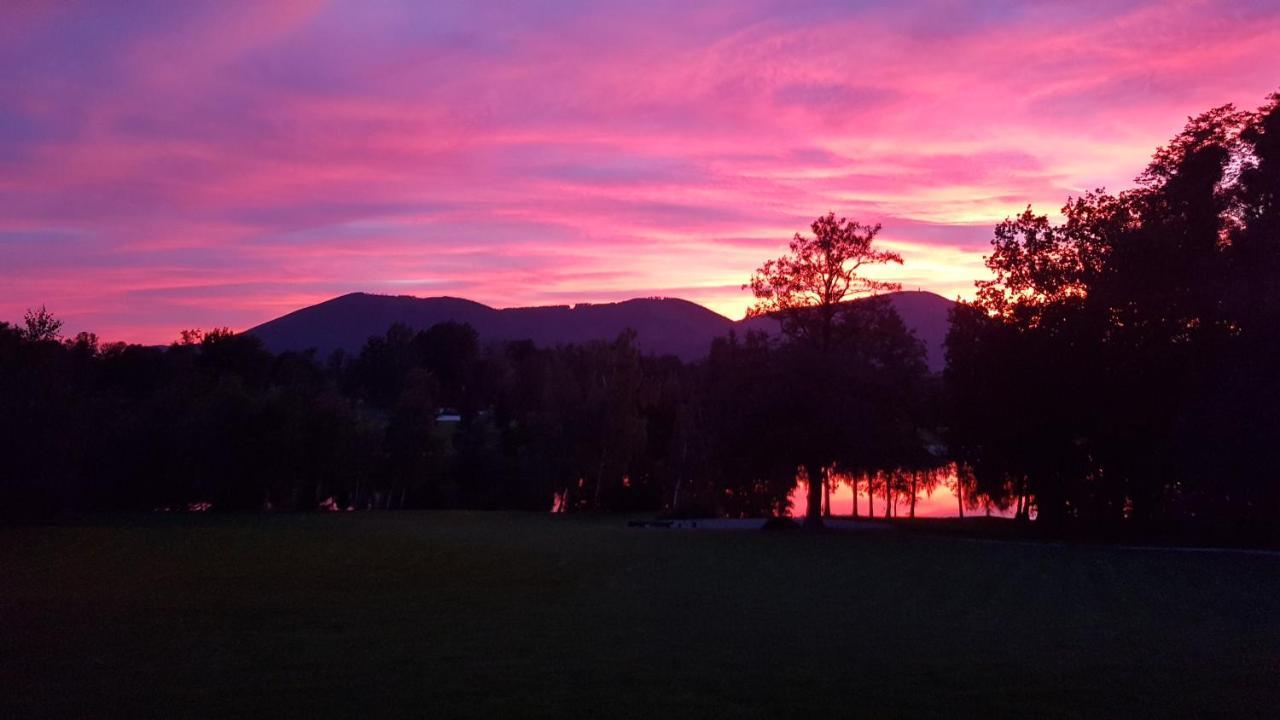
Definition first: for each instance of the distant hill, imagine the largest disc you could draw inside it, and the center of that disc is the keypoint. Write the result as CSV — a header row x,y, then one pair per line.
x,y
663,325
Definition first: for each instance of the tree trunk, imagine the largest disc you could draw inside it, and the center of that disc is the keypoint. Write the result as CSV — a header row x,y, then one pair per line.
x,y
871,498
888,496
1024,501
826,497
914,489
959,493
675,495
813,509
595,502
853,483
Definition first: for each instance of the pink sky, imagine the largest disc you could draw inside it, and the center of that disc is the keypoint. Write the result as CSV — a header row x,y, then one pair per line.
x,y
218,163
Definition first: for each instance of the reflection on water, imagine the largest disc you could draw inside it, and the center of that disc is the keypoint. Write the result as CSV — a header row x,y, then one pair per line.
x,y
938,502
935,498
942,503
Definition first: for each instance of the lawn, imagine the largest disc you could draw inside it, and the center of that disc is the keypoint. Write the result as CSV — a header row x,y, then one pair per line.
x,y
469,614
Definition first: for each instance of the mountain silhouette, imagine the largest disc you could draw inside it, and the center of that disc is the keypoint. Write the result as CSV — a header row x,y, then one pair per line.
x,y
663,325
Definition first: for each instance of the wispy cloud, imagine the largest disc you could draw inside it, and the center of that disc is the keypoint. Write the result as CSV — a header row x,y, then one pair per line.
x,y
178,164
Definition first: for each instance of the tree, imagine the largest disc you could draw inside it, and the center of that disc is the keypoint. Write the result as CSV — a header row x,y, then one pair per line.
x,y
450,351
744,394
1120,366
603,423
190,337
809,290
41,326
410,441
85,344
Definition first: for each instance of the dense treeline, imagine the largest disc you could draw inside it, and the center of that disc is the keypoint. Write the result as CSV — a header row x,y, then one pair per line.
x,y
430,419
1124,364
1119,369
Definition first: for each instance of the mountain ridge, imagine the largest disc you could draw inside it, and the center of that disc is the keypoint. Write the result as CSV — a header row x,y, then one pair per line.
x,y
664,325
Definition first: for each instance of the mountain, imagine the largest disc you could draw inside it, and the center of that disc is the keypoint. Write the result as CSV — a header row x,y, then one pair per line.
x,y
663,325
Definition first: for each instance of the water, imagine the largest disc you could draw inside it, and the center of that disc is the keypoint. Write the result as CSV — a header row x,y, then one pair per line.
x,y
940,502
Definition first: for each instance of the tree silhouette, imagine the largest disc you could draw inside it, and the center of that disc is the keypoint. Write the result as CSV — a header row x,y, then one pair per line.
x,y
1119,367
808,288
808,291
41,326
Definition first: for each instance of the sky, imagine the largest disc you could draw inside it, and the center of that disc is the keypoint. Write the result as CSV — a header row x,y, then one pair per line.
x,y
169,165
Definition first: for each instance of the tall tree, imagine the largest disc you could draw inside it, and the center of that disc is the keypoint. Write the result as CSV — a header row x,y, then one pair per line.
x,y
1120,365
809,290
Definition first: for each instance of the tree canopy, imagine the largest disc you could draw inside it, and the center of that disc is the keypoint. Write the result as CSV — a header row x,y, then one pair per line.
x,y
844,363
1121,364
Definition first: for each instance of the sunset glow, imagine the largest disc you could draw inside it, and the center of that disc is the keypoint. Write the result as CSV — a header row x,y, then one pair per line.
x,y
202,164
939,502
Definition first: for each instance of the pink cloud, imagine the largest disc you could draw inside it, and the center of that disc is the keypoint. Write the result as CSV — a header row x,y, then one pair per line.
x,y
208,164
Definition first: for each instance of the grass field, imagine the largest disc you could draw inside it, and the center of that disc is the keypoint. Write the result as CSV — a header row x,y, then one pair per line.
x,y
425,614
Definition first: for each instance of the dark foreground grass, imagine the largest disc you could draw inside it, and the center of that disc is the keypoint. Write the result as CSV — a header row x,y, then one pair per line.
x,y
432,615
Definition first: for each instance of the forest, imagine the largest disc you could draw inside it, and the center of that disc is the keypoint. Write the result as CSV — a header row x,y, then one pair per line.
x,y
1120,367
